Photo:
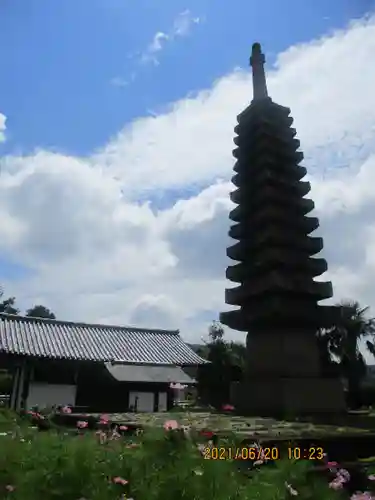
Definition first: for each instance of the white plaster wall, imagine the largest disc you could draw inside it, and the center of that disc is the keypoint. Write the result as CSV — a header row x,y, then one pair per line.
x,y
145,400
46,395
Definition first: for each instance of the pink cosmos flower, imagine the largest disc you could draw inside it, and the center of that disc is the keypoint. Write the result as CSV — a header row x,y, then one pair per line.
x,y
366,495
123,428
82,424
291,490
66,409
120,480
228,407
114,435
170,425
371,477
104,419
10,487
177,385
102,436
201,447
185,429
35,414
332,465
207,434
336,484
344,474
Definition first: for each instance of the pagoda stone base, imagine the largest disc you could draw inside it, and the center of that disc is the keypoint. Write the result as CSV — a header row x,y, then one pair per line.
x,y
289,396
284,376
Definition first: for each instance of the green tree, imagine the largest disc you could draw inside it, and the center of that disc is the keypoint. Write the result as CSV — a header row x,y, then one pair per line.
x,y
343,339
237,352
40,311
8,305
216,332
226,366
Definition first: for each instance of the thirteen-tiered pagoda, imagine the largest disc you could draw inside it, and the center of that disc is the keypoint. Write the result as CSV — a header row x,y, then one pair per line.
x,y
276,293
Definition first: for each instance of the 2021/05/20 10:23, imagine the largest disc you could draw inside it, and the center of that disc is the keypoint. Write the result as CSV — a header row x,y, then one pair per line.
x,y
244,453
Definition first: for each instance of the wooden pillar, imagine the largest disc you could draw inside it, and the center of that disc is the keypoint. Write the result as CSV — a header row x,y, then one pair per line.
x,y
15,384
20,389
170,399
28,374
156,401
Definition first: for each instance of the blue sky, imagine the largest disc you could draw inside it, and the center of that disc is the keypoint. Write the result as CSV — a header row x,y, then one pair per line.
x,y
116,164
58,59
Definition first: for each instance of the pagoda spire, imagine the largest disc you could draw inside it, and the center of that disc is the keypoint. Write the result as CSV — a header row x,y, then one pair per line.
x,y
257,61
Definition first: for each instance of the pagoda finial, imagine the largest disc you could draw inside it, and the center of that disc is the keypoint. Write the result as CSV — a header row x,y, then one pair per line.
x,y
257,61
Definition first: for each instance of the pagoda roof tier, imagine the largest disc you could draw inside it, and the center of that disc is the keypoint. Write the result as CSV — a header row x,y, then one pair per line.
x,y
254,247
264,127
279,282
265,111
302,224
267,138
272,176
269,194
266,149
246,169
296,189
256,172
275,258
281,313
243,212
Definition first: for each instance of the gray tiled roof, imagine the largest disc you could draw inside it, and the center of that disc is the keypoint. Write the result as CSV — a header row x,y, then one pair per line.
x,y
80,341
145,373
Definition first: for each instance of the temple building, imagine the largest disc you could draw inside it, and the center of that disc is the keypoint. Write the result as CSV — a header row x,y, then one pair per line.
x,y
97,368
277,296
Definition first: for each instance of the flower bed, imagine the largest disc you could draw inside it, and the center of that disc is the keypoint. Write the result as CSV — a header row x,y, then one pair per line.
x,y
159,464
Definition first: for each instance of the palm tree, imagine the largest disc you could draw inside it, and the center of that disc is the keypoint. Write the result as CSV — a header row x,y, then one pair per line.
x,y
343,340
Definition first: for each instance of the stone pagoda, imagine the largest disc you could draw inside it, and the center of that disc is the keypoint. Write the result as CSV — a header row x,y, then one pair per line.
x,y
275,270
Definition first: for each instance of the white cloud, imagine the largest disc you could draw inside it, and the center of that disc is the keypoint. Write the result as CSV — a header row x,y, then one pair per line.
x,y
181,27
99,254
183,23
117,81
3,119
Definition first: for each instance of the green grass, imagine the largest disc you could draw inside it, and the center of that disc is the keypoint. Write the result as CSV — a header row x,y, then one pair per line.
x,y
157,465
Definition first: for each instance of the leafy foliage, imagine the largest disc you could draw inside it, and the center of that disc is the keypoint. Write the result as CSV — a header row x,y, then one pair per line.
x,y
8,306
342,342
227,361
40,311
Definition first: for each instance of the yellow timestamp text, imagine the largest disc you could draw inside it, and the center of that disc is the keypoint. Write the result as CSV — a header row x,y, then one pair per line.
x,y
244,453
310,453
